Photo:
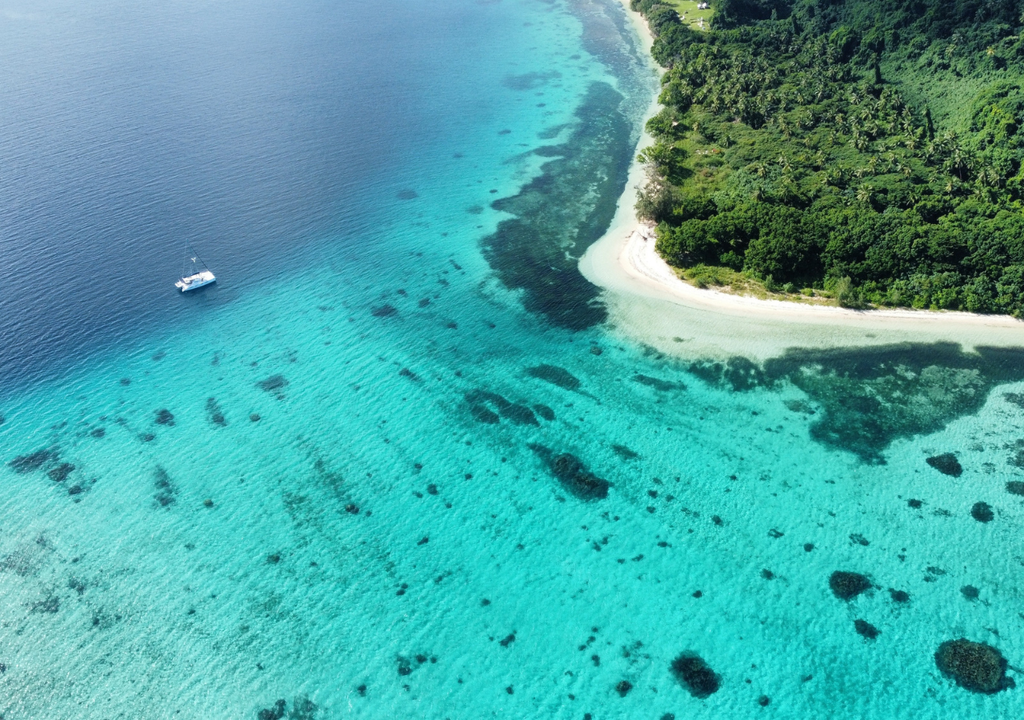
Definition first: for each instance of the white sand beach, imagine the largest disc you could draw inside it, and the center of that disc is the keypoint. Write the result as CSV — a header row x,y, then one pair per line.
x,y
649,303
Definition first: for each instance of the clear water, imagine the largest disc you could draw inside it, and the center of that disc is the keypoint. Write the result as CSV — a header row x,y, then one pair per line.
x,y
386,540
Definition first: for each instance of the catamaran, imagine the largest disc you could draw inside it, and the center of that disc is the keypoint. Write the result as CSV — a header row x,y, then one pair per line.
x,y
196,275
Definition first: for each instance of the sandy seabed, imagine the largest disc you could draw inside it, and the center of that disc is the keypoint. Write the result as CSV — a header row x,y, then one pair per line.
x,y
649,303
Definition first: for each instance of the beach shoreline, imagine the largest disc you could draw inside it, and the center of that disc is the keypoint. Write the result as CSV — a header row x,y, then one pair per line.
x,y
649,303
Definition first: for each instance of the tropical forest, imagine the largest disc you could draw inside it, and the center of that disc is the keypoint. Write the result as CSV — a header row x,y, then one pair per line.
x,y
867,152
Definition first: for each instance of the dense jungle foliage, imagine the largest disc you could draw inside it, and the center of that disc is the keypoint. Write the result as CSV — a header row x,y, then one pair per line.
x,y
867,150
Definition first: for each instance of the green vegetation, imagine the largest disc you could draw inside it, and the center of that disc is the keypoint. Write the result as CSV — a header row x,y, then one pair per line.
x,y
688,8
870,151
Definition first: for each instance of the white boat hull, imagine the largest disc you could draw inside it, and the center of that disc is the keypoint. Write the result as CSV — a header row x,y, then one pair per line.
x,y
193,282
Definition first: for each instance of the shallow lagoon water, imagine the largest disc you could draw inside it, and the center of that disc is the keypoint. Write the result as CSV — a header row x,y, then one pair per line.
x,y
390,538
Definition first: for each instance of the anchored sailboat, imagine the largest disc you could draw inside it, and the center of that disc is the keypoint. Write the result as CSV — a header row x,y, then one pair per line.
x,y
195,275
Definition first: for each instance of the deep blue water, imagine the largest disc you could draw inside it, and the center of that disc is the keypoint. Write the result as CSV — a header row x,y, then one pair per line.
x,y
265,133
397,462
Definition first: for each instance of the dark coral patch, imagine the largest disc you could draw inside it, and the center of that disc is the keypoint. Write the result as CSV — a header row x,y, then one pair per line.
x,y
868,397
483,415
385,310
900,596
519,414
273,713
274,384
165,490
164,417
658,384
555,375
479,399
33,461
848,585
866,629
544,411
696,675
98,432
970,592
552,224
623,687
570,471
214,414
1015,487
947,464
407,194
624,452
982,512
61,472
973,666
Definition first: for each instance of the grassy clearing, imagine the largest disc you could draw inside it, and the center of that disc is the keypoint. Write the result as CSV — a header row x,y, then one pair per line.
x,y
693,15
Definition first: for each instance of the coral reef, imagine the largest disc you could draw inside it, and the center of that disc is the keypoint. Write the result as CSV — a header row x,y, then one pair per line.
x,y
164,417
478,399
555,375
272,713
848,585
214,414
695,675
61,472
33,461
544,411
982,512
866,629
973,666
386,310
274,384
947,464
867,397
165,490
570,471
658,384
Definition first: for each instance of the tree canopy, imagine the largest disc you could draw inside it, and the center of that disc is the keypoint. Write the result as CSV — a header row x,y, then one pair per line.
x,y
856,145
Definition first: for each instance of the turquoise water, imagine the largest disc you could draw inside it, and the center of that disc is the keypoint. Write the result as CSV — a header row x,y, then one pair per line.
x,y
390,538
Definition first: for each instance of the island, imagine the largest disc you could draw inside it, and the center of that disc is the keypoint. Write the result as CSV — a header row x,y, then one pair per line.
x,y
858,152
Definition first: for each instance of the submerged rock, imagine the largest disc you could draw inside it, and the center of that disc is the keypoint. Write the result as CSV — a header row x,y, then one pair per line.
x,y
982,512
555,375
696,675
947,464
623,688
973,666
848,585
970,592
33,461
